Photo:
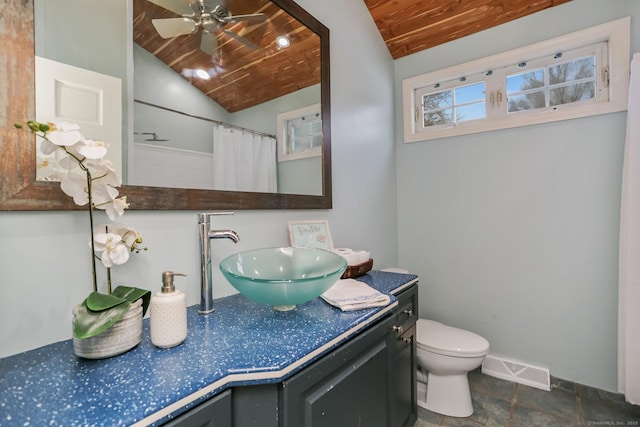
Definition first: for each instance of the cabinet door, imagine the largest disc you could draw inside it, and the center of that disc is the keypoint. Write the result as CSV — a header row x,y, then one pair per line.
x,y
406,408
349,387
215,412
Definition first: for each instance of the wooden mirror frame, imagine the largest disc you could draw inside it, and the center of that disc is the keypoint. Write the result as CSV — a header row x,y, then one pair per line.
x,y
19,190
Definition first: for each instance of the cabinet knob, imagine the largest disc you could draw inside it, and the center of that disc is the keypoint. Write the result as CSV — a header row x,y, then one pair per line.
x,y
398,329
409,312
407,340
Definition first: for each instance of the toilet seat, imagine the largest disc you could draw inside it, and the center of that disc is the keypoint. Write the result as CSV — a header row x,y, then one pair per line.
x,y
449,341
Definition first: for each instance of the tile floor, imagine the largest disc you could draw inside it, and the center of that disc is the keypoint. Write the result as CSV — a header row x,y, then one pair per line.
x,y
503,403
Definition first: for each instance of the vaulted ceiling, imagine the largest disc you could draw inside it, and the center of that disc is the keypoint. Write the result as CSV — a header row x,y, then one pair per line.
x,y
410,26
244,77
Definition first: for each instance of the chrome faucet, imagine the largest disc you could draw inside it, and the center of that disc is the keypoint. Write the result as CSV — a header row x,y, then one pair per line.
x,y
206,234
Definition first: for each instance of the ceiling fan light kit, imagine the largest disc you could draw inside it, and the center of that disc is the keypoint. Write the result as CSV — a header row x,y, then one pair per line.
x,y
200,16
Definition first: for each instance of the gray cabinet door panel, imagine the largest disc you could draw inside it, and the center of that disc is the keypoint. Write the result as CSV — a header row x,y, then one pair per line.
x,y
215,412
349,387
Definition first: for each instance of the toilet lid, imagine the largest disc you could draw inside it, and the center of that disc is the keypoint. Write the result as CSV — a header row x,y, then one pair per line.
x,y
439,338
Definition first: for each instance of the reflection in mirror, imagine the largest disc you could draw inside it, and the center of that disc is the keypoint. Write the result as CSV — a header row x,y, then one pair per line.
x,y
110,37
207,89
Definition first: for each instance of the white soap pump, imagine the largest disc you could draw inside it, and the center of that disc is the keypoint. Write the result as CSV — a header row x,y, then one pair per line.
x,y
168,313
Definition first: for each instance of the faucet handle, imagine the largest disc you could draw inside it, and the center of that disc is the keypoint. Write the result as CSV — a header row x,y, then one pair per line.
x,y
204,218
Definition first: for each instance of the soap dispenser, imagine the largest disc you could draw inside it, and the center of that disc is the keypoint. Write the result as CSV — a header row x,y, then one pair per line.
x,y
168,313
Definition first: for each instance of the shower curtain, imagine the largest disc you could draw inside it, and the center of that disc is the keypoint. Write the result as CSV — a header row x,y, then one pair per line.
x,y
243,161
629,263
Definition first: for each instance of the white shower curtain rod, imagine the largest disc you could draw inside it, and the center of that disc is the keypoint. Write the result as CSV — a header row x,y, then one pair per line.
x,y
255,132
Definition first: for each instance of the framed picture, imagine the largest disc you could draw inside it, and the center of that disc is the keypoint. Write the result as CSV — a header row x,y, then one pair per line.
x,y
310,234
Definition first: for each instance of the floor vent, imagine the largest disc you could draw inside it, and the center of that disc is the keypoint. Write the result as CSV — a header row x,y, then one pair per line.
x,y
515,371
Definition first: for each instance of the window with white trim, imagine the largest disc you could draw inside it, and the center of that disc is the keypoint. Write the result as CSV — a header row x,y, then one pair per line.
x,y
580,74
299,133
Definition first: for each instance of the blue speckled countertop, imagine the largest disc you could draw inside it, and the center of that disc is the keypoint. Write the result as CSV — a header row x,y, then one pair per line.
x,y
241,343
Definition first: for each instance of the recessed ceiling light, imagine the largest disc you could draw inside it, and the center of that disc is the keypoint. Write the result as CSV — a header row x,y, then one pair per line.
x,y
202,74
283,41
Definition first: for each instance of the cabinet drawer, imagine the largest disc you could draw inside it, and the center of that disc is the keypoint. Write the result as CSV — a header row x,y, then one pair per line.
x,y
407,308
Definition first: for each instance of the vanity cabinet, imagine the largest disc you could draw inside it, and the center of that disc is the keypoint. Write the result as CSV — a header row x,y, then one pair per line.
x,y
368,381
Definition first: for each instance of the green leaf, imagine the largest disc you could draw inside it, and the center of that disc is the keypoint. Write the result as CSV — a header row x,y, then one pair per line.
x,y
87,323
131,294
100,302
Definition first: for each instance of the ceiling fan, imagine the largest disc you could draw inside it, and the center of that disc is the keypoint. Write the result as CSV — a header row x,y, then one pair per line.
x,y
198,14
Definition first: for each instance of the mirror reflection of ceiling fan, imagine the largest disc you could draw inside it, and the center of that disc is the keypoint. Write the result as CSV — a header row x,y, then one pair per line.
x,y
201,14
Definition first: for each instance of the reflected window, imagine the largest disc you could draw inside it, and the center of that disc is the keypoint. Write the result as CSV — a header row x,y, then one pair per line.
x,y
299,133
304,133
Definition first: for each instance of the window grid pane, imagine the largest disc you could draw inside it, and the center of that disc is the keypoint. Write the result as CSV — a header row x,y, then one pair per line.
x,y
567,94
556,84
461,103
304,133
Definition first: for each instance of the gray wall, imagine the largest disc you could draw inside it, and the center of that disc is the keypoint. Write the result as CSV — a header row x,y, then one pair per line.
x,y
44,254
514,233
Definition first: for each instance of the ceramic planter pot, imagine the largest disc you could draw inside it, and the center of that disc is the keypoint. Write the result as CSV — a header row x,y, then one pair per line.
x,y
121,337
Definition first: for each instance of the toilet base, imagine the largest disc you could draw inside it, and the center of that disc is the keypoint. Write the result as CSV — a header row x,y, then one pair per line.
x,y
447,395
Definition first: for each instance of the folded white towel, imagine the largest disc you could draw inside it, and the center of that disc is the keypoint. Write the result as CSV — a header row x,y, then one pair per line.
x,y
351,294
353,256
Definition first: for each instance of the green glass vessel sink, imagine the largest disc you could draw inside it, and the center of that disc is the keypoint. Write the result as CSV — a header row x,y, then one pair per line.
x,y
283,277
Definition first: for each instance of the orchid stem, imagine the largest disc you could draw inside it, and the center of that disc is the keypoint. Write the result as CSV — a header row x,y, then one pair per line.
x,y
93,245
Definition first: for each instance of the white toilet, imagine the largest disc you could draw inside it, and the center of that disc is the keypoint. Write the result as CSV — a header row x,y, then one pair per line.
x,y
447,354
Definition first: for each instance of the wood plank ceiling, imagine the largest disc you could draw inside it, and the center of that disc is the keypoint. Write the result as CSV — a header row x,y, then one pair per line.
x,y
410,26
242,77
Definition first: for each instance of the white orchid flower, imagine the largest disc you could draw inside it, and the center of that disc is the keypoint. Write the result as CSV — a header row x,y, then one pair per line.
x,y
47,147
116,208
114,250
66,161
46,170
64,134
91,149
130,236
74,184
103,172
105,198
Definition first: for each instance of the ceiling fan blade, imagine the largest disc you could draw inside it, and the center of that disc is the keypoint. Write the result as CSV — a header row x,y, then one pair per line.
x,y
172,27
180,7
209,43
255,17
241,39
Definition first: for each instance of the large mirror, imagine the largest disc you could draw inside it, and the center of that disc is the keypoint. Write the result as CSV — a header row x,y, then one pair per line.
x,y
239,49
